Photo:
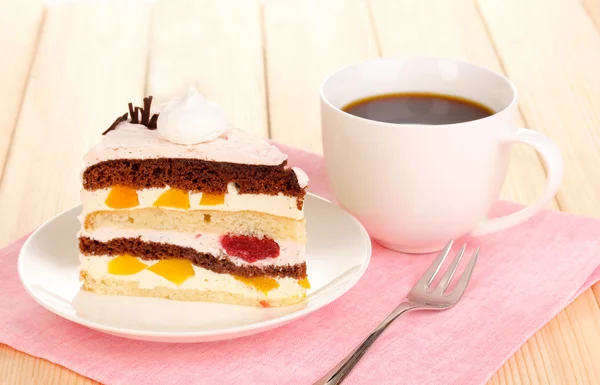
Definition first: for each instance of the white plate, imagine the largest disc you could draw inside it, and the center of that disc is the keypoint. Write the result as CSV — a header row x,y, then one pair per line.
x,y
338,253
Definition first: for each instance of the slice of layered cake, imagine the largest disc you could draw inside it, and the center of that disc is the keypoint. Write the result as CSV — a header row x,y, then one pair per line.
x,y
177,204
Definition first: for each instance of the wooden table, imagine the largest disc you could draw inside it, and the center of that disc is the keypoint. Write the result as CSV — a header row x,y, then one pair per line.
x,y
68,70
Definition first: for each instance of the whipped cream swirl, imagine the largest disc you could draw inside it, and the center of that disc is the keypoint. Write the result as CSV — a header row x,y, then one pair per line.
x,y
191,120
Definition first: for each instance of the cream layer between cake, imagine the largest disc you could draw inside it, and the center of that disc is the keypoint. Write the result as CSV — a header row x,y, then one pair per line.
x,y
96,268
278,205
290,252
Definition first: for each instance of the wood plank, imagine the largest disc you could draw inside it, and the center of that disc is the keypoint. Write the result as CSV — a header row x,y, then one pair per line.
x,y
305,40
216,45
584,319
19,28
18,368
546,362
454,29
558,78
562,332
79,83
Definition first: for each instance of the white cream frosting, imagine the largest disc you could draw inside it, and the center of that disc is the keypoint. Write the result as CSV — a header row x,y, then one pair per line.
x,y
301,176
290,252
97,268
278,205
191,120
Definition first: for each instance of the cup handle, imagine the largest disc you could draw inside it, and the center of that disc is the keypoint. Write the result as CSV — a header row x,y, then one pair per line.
x,y
553,161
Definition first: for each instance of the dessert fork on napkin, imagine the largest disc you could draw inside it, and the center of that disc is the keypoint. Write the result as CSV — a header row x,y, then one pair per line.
x,y
421,297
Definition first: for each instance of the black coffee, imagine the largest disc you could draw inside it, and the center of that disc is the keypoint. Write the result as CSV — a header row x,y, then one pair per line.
x,y
418,108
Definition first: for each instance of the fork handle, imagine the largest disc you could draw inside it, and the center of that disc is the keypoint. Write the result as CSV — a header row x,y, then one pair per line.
x,y
341,370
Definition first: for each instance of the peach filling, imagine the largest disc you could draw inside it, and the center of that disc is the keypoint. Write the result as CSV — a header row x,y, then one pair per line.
x,y
121,197
304,283
212,199
174,270
175,198
262,284
125,265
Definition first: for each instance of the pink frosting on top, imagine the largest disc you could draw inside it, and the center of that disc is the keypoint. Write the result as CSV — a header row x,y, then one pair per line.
x,y
134,141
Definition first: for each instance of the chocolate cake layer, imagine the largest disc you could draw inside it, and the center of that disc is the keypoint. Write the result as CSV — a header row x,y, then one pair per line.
x,y
194,175
157,251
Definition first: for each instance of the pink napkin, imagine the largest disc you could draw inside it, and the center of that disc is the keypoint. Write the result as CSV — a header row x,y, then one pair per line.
x,y
524,277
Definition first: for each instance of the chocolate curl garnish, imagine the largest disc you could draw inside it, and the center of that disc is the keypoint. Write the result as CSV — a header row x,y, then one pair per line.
x,y
133,113
135,116
152,124
120,119
146,111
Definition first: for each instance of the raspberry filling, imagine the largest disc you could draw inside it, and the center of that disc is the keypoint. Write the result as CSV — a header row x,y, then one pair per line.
x,y
250,249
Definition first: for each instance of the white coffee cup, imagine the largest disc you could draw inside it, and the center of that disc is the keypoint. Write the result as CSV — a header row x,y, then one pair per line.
x,y
414,186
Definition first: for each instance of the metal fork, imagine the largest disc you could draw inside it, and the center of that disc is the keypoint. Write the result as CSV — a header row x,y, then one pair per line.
x,y
421,297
